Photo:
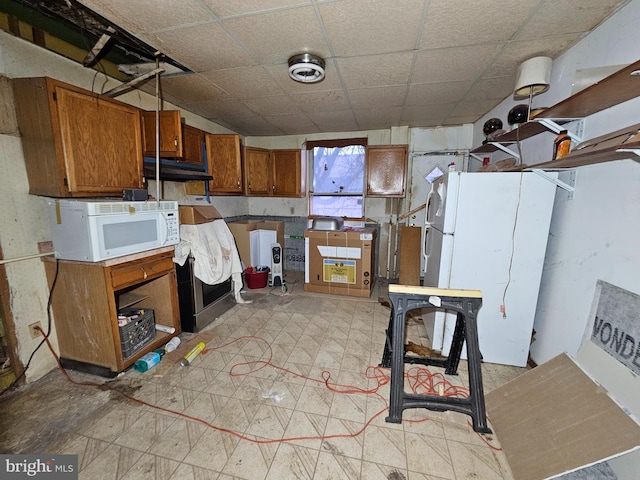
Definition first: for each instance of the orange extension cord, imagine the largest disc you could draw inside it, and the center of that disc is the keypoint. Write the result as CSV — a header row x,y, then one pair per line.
x,y
420,380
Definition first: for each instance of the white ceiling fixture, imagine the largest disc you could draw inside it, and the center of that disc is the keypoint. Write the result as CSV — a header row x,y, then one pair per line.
x,y
306,68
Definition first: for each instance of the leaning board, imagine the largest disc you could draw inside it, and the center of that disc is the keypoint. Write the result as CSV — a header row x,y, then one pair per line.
x,y
554,418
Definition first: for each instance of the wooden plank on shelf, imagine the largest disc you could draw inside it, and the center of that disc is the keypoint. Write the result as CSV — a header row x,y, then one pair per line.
x,y
129,298
612,90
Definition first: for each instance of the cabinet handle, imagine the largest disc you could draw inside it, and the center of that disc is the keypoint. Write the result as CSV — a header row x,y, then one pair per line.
x,y
175,142
273,188
238,182
144,273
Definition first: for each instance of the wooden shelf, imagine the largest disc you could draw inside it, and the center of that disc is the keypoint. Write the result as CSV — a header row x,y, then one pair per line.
x,y
524,131
128,299
613,90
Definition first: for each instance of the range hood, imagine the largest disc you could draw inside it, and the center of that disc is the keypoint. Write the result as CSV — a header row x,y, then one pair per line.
x,y
175,174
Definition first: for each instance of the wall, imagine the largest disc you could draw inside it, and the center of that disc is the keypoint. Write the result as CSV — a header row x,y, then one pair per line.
x,y
595,234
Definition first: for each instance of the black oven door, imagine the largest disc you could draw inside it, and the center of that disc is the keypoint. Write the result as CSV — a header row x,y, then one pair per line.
x,y
200,304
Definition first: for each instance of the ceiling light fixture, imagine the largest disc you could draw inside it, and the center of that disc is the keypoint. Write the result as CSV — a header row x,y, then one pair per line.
x,y
306,68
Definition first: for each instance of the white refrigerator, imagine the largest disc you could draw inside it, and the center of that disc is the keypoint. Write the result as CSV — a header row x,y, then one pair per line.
x,y
488,231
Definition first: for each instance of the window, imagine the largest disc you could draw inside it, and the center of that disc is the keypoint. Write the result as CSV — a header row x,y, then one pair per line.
x,y
338,178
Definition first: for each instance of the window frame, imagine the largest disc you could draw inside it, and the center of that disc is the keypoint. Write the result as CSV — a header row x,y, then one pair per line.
x,y
335,143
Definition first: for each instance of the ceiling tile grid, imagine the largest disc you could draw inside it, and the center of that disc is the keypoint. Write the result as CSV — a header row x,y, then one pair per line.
x,y
388,63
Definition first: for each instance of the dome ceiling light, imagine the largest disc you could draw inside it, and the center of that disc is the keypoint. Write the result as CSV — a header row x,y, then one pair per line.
x,y
306,68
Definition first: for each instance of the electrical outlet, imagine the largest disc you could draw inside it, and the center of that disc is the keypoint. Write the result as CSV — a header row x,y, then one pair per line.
x,y
33,328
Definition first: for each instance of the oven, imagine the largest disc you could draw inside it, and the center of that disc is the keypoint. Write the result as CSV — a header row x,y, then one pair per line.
x,y
200,303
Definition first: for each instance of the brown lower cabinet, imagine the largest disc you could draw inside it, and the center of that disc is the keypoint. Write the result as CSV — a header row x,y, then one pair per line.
x,y
86,298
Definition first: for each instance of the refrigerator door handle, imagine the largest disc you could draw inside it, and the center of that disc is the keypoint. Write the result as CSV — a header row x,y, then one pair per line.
x,y
425,230
427,226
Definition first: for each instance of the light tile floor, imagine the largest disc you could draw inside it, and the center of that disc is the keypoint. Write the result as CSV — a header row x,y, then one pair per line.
x,y
230,415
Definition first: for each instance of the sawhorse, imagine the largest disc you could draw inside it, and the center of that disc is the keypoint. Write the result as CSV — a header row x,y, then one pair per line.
x,y
466,304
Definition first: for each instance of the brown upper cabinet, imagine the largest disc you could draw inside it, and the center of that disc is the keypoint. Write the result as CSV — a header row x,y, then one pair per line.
x,y
178,142
224,162
274,173
77,143
386,169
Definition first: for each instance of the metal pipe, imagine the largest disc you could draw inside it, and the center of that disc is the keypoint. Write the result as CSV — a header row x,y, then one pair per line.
x,y
27,257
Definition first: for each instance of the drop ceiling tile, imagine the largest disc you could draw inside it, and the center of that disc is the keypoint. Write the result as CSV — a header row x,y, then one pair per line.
x,y
291,122
225,8
424,123
466,108
336,116
461,120
390,115
497,88
376,70
158,14
279,104
429,112
224,108
435,93
271,38
339,128
256,125
452,64
191,88
452,23
551,18
357,27
201,48
362,98
333,100
515,53
248,82
376,126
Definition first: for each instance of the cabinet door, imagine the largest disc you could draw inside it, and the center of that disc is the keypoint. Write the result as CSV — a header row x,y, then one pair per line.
x,y
101,143
288,178
170,133
225,163
192,139
386,170
257,172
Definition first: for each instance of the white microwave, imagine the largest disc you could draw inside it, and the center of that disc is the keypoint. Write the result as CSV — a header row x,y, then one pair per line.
x,y
95,230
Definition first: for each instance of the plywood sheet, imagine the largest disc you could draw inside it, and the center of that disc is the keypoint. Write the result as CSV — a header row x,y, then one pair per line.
x,y
409,254
554,418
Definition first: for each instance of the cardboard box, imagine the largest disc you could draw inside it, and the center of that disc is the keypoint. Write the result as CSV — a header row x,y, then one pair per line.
x,y
341,263
241,229
195,214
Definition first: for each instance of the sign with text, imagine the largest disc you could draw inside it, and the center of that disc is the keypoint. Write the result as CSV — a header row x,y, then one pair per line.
x,y
51,467
616,326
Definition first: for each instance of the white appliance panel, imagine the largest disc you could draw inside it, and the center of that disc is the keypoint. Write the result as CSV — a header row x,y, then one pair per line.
x,y
260,246
498,244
